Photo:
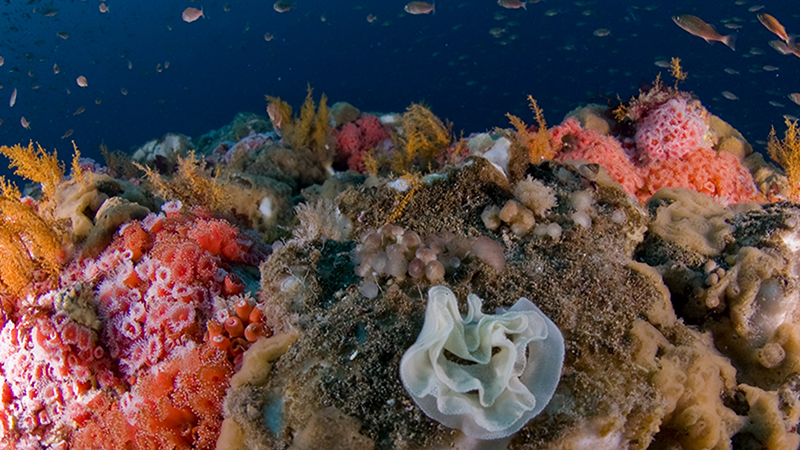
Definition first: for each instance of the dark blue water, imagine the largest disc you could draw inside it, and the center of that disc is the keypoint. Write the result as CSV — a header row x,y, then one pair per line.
x,y
221,64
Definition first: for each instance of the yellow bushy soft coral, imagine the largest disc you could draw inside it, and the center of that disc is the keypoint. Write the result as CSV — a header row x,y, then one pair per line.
x,y
191,184
17,265
311,130
26,241
36,165
677,71
301,134
787,153
77,170
425,137
537,142
322,129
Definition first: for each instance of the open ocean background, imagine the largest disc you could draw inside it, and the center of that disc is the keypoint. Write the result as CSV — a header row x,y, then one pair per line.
x,y
222,64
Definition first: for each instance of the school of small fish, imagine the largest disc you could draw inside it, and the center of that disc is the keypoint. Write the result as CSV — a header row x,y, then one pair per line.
x,y
785,44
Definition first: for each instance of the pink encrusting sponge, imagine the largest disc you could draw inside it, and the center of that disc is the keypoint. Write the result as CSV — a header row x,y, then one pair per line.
x,y
671,130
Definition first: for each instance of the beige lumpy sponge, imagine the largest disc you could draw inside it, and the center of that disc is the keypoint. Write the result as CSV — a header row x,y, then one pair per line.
x,y
484,374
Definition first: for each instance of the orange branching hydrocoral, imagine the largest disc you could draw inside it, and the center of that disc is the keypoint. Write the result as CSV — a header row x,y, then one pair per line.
x,y
36,165
537,142
787,153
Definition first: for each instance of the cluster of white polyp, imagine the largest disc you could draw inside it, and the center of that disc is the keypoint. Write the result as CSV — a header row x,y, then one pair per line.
x,y
393,251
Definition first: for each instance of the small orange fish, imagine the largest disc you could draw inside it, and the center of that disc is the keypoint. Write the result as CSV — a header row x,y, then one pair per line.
x,y
97,101
371,18
191,14
130,65
78,111
697,27
512,4
56,69
774,26
67,134
123,91
268,37
282,6
63,35
2,61
159,68
13,98
103,8
166,64
81,80
420,8
24,122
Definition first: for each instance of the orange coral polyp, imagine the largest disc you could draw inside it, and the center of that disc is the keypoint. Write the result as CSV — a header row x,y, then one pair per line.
x,y
182,271
136,240
206,268
233,285
243,310
172,416
234,327
214,328
220,342
256,315
132,279
254,331
214,378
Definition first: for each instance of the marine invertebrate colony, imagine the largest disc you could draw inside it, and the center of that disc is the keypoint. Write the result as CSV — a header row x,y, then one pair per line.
x,y
672,130
124,353
143,330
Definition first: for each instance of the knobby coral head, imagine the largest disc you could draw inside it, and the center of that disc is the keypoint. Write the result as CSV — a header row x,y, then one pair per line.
x,y
484,374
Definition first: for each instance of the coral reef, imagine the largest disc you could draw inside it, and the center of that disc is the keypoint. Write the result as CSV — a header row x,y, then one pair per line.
x,y
240,290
